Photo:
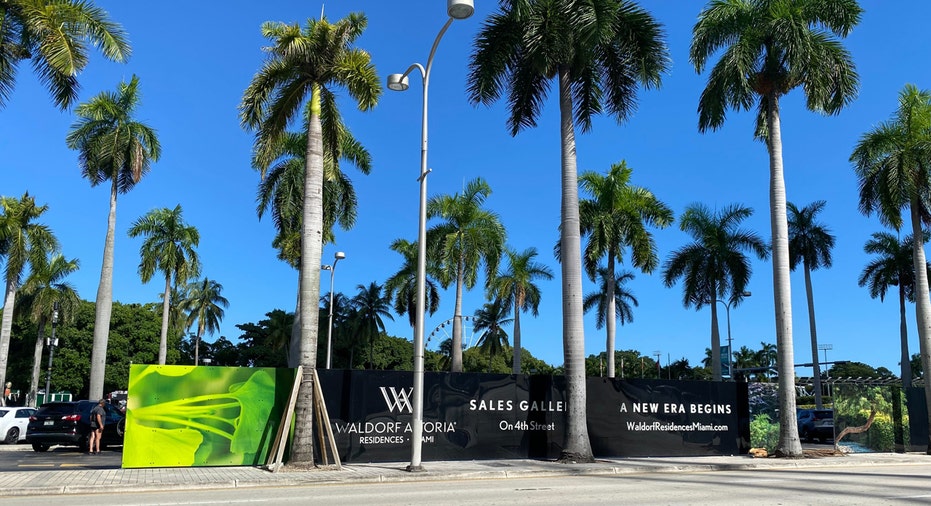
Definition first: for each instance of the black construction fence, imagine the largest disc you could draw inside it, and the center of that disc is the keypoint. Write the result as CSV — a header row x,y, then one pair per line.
x,y
470,416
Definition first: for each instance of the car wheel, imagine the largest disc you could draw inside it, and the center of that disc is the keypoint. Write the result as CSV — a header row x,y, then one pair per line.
x,y
37,447
12,437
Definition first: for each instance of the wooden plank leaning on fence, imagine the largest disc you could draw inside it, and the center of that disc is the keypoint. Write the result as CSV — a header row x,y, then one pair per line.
x,y
276,455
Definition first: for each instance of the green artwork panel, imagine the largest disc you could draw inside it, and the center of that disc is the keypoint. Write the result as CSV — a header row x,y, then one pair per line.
x,y
187,416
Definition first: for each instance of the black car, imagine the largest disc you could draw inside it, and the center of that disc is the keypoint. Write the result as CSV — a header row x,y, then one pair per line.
x,y
68,423
816,424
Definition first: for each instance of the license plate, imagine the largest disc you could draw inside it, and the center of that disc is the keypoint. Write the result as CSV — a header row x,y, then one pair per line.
x,y
49,422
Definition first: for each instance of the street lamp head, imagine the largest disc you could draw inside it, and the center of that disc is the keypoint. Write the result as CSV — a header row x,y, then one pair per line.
x,y
326,267
459,9
398,82
339,255
745,294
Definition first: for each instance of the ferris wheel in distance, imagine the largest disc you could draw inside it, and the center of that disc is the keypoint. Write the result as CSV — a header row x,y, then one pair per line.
x,y
444,331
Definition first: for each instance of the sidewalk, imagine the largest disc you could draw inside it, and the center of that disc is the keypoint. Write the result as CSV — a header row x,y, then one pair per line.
x,y
81,481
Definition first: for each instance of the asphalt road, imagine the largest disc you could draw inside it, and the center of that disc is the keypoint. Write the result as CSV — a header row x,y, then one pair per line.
x,y
880,484
20,457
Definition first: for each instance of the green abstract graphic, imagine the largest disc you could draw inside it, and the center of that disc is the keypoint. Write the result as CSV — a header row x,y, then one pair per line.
x,y
186,416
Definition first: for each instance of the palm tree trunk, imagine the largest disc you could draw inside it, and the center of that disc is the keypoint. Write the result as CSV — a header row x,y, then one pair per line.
x,y
456,352
163,338
104,304
200,335
515,366
904,360
789,444
36,365
577,447
311,249
5,330
611,313
922,306
716,341
815,366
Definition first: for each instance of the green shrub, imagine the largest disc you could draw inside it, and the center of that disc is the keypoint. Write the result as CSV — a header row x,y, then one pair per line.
x,y
764,433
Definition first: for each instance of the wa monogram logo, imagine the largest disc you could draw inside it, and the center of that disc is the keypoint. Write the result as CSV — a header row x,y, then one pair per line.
x,y
398,399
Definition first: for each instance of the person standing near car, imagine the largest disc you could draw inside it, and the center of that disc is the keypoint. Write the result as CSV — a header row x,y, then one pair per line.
x,y
97,417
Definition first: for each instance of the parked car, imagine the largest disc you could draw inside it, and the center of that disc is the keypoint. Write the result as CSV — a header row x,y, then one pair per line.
x,y
68,423
13,423
816,424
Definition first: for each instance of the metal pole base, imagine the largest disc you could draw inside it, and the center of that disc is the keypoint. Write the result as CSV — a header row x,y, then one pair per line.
x,y
415,469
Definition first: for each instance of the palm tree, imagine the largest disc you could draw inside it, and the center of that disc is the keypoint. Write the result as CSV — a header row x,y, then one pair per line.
x,y
713,266
891,162
515,287
55,35
23,242
112,146
370,306
168,248
893,266
767,357
401,287
617,216
308,65
766,50
622,301
45,292
205,306
468,237
597,52
810,244
491,319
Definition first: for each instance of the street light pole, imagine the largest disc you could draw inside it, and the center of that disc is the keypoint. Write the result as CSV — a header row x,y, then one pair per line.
x,y
52,343
730,348
332,268
457,9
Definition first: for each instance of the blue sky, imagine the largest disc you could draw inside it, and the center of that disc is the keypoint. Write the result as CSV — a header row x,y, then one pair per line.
x,y
194,64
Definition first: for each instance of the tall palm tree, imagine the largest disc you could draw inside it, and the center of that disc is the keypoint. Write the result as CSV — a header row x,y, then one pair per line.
x,y
893,266
892,163
515,287
43,290
622,300
308,65
469,237
371,306
767,48
168,248
112,146
55,35
714,265
491,319
810,244
598,52
401,287
205,306
24,242
614,218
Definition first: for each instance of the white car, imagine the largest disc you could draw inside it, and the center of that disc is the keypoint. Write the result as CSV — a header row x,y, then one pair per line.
x,y
13,423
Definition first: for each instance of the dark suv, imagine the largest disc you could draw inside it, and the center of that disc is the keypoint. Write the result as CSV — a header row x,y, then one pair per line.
x,y
68,423
816,424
